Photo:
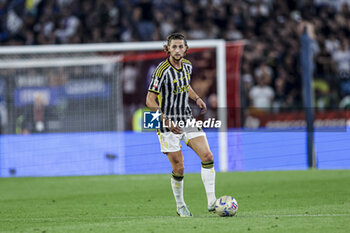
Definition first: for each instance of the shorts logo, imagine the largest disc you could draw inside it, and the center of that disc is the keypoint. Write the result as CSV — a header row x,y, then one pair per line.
x,y
151,120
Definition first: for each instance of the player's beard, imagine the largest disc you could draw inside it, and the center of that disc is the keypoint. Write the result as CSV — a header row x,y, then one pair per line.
x,y
179,57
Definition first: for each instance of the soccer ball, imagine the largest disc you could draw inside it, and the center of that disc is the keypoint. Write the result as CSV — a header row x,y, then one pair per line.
x,y
226,206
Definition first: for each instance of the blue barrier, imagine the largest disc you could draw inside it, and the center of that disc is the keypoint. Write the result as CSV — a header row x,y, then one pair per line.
x,y
332,150
104,153
255,151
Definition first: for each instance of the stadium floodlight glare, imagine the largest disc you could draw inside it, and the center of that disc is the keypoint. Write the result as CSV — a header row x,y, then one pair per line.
x,y
17,57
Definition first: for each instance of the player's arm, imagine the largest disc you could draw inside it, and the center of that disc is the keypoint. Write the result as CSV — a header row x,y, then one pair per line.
x,y
200,103
152,104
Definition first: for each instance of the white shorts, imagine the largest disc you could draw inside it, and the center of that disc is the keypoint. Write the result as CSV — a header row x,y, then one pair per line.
x,y
170,142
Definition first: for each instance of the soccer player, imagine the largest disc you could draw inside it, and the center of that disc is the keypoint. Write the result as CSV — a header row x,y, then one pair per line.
x,y
170,85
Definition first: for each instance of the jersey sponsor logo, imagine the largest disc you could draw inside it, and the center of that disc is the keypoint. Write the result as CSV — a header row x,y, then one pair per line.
x,y
182,89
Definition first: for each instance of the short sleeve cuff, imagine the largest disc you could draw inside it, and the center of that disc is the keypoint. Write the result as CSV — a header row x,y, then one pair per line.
x,y
153,91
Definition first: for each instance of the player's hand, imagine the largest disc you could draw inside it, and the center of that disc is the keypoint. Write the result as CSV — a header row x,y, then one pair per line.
x,y
202,105
173,128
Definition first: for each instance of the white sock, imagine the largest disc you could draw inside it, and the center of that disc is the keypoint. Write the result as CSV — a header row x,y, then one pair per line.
x,y
178,190
208,178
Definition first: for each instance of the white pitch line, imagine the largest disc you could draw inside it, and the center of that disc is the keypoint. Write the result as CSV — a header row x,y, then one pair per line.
x,y
308,215
294,215
202,216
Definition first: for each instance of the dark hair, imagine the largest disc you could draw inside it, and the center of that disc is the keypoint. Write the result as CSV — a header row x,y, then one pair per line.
x,y
174,36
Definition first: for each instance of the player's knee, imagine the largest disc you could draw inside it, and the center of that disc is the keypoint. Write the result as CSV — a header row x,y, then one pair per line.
x,y
207,157
180,169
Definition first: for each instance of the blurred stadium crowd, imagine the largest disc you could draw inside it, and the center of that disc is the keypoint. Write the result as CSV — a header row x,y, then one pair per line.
x,y
270,68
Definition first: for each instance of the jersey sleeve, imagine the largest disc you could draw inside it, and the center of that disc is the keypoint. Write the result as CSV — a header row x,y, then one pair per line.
x,y
156,82
188,67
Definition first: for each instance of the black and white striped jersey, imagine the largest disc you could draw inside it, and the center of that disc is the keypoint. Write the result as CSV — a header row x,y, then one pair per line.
x,y
172,85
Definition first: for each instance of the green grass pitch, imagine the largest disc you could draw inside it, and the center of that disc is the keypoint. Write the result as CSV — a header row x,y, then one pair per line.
x,y
281,201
